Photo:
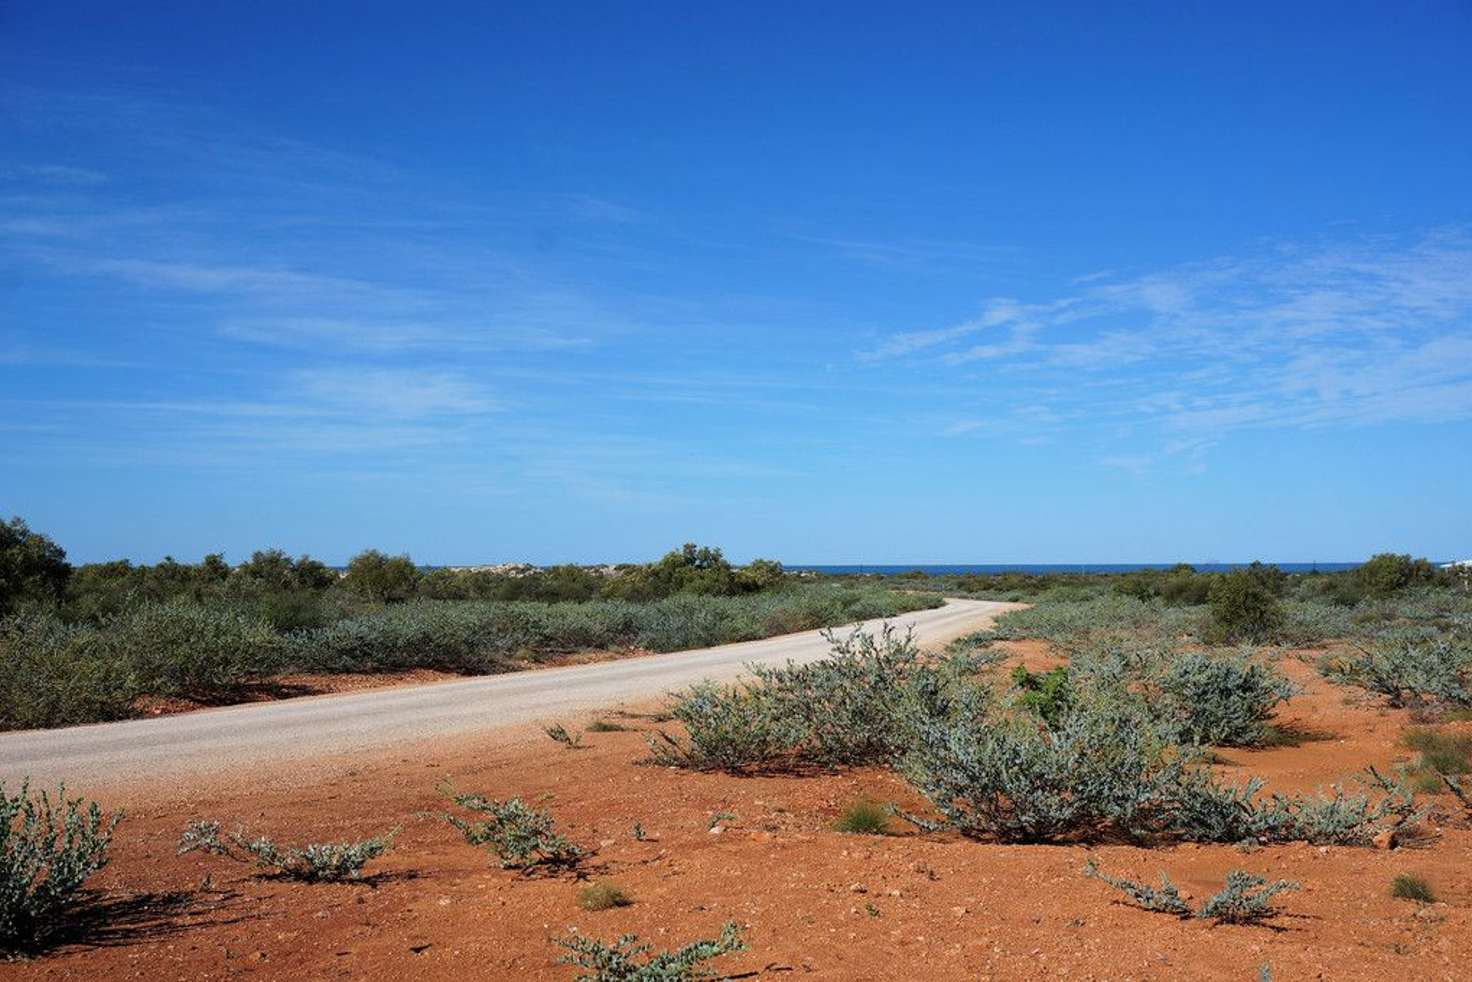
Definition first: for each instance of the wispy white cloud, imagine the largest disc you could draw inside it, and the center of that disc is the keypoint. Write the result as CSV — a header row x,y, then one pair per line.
x,y
1373,330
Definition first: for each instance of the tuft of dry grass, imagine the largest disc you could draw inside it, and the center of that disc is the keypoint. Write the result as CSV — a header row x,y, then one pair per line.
x,y
1409,886
863,817
602,896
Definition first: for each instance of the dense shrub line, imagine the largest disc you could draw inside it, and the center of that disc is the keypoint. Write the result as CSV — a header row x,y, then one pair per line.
x,y
60,673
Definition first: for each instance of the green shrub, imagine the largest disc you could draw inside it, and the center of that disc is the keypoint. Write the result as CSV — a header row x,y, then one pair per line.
x,y
1207,811
846,708
732,728
57,674
48,849
382,578
1409,886
1244,607
629,960
317,862
520,836
1408,673
602,896
863,817
189,650
33,569
1386,574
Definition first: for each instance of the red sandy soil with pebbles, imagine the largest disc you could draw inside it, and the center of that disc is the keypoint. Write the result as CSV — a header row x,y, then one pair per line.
x,y
813,903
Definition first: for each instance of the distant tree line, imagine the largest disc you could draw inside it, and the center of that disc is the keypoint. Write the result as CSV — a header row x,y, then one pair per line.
x,y
303,592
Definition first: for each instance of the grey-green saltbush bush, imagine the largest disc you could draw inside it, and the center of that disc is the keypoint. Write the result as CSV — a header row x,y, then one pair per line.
x,y
1220,700
728,728
629,960
520,836
1411,673
1005,778
1208,811
58,674
317,862
1194,697
48,848
857,706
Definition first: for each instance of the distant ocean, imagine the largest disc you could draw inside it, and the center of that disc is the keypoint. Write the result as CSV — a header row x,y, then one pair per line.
x,y
962,568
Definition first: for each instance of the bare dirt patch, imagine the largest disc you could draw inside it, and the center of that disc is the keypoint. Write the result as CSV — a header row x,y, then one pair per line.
x,y
815,903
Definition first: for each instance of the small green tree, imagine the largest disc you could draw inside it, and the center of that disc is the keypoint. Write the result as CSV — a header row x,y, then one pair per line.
x,y
1387,573
381,577
32,566
1244,606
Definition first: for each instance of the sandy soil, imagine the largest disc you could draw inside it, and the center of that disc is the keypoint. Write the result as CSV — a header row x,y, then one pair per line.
x,y
815,903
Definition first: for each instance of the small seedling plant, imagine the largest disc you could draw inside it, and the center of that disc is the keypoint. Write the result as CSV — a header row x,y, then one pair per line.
x,y
559,733
520,836
630,960
316,862
48,849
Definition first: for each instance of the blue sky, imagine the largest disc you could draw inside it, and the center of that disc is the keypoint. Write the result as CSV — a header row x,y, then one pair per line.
x,y
827,283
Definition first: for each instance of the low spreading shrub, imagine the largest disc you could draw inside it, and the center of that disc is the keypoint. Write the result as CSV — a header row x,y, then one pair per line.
x,y
1004,778
629,960
1225,701
317,862
1245,898
1164,899
856,706
1408,673
847,708
1208,811
728,728
520,836
48,849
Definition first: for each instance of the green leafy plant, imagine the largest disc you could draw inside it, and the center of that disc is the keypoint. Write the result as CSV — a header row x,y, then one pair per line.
x,y
520,836
1046,694
1004,778
629,960
317,862
49,847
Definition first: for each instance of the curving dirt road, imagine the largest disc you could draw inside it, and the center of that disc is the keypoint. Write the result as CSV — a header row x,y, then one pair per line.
x,y
237,737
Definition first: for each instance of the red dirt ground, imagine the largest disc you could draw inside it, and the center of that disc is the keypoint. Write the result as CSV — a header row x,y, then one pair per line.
x,y
814,903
